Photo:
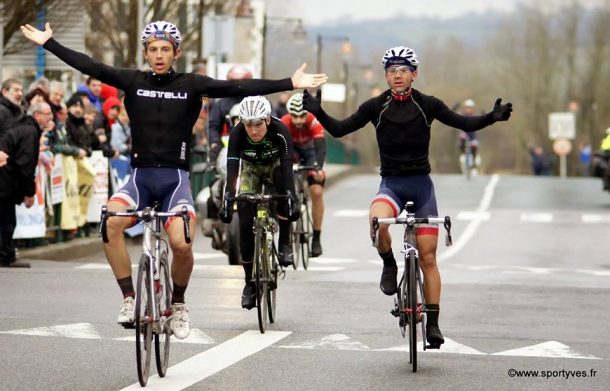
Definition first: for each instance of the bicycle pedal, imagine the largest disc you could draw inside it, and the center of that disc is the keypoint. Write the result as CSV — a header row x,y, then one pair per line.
x,y
129,326
395,312
433,346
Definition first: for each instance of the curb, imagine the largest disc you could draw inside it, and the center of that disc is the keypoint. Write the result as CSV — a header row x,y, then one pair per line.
x,y
81,247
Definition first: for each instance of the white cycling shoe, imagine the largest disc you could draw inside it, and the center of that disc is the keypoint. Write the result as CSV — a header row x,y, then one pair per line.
x,y
126,311
181,324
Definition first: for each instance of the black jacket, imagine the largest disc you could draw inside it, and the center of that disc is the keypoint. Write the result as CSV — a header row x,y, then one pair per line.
x,y
21,143
79,134
9,113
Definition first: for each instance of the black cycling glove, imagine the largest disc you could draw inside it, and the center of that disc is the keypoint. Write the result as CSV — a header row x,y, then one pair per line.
x,y
501,112
225,213
312,103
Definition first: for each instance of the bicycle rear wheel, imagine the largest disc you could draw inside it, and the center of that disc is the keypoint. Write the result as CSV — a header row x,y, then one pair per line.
x,y
163,295
143,321
297,228
412,313
261,279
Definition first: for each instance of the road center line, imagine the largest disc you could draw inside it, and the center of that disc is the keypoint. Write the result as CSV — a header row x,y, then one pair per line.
x,y
213,360
472,227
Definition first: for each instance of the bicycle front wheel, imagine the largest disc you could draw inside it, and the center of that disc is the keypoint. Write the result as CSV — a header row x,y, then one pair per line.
x,y
143,320
163,295
272,291
412,312
261,279
306,234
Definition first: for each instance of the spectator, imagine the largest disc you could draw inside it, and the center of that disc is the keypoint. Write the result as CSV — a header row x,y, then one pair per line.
x,y
120,135
36,95
93,88
280,109
101,138
584,157
78,134
10,104
17,183
56,96
42,83
541,163
61,143
108,91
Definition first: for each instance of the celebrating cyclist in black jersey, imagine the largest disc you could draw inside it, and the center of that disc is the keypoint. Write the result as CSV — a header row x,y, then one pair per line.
x,y
163,106
402,117
264,147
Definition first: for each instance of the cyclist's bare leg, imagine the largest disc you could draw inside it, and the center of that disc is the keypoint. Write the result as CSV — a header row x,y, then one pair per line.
x,y
388,283
115,249
426,245
182,264
381,210
317,205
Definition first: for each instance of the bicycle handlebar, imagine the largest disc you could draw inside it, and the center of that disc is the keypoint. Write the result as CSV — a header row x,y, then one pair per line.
x,y
147,214
262,198
412,221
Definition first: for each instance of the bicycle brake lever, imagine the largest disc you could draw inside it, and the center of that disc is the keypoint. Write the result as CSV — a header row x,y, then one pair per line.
x,y
187,228
103,230
375,237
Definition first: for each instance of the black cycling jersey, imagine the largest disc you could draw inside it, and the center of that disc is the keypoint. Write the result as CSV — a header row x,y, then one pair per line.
x,y
403,128
163,108
276,145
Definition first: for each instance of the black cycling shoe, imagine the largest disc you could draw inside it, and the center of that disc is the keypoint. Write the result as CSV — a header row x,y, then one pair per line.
x,y
434,336
316,249
285,256
248,296
388,283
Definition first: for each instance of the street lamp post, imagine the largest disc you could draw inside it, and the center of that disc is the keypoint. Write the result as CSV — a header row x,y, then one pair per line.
x,y
299,33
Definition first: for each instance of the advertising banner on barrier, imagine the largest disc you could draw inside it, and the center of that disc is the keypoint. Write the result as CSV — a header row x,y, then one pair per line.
x,y
70,209
31,221
100,186
86,177
57,181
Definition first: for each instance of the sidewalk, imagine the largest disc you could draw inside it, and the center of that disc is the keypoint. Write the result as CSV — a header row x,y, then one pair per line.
x,y
80,247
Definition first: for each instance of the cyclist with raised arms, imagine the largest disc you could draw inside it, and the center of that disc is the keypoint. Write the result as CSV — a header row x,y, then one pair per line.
x,y
402,117
310,149
264,147
163,106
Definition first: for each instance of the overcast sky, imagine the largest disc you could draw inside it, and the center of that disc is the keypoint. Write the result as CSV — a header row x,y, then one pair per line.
x,y
314,12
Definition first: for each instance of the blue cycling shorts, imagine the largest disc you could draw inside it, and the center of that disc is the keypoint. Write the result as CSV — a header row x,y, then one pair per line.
x,y
169,186
396,190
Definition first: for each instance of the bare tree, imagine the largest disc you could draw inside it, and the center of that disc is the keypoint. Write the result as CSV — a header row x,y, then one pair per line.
x,y
115,22
19,12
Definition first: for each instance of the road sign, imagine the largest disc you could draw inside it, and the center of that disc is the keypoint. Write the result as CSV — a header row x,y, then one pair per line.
x,y
562,147
562,125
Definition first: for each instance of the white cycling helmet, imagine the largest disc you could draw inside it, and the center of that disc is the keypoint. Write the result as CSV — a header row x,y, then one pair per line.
x,y
469,103
400,55
254,107
161,30
295,105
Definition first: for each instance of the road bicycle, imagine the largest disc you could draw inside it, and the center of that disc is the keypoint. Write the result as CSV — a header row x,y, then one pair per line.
x,y
468,162
153,313
409,303
266,266
302,229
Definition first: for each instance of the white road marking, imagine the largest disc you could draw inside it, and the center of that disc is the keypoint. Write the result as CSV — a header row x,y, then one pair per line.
x,y
546,349
473,215
215,255
321,269
538,217
197,337
76,330
351,213
324,260
213,360
472,227
334,341
599,273
450,346
595,218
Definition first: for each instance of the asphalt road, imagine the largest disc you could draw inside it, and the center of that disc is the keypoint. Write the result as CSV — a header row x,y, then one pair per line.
x,y
525,288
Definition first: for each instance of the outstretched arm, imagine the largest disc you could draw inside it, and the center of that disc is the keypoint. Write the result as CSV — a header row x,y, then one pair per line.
x,y
223,88
116,77
500,112
334,126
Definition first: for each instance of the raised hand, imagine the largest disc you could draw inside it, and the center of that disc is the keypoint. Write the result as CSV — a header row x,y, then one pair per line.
x,y
300,79
501,112
311,103
3,158
35,35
